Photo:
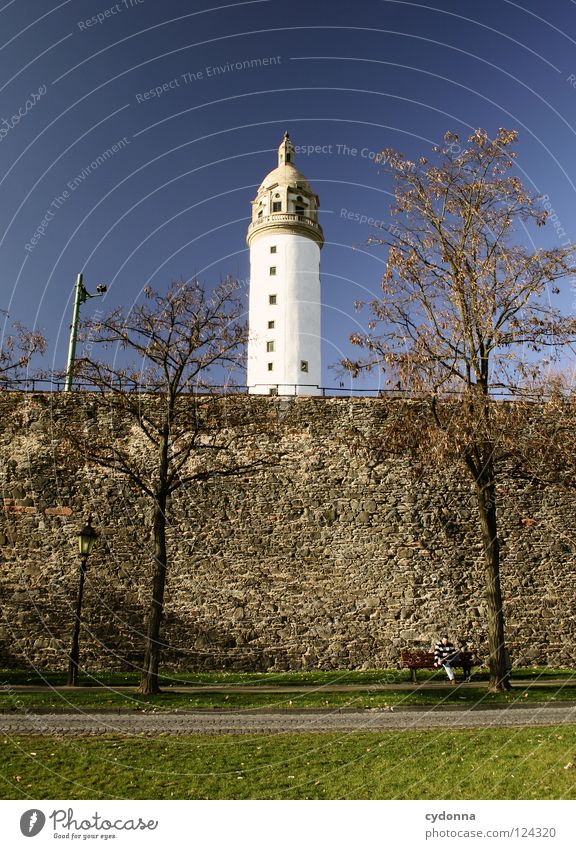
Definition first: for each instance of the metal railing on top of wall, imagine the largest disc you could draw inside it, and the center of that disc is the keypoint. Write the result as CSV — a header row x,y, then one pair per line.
x,y
283,390
43,384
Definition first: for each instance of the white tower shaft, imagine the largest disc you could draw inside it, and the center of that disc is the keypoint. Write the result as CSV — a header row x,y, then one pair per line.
x,y
284,305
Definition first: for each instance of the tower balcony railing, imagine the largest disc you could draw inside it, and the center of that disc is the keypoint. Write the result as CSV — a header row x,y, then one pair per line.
x,y
286,218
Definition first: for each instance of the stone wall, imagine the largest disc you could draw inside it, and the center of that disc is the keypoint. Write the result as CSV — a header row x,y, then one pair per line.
x,y
318,561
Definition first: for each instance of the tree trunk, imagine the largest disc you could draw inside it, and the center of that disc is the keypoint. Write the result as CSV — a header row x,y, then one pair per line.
x,y
486,499
149,676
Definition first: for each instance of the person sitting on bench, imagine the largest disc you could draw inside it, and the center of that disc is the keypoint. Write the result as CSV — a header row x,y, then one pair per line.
x,y
445,655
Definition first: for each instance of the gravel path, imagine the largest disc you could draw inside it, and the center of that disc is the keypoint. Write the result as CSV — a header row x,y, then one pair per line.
x,y
245,722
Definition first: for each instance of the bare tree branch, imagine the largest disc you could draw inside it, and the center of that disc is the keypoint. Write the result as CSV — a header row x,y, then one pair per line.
x,y
16,352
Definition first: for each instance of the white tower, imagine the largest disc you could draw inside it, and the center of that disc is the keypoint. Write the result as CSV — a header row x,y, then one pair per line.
x,y
284,307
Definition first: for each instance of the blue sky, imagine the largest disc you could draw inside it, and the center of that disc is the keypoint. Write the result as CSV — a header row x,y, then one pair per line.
x,y
171,197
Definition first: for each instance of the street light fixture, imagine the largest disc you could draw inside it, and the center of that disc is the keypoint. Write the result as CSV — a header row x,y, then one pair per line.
x,y
81,295
86,539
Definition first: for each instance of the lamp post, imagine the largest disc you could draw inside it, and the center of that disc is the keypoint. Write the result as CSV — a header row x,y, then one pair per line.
x,y
86,539
81,295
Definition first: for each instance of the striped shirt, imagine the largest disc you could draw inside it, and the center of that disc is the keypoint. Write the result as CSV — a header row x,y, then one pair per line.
x,y
444,652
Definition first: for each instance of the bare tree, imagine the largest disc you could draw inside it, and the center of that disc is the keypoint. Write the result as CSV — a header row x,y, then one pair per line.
x,y
16,351
465,311
169,426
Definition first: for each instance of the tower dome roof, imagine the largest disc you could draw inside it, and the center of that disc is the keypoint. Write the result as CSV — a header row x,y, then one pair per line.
x,y
285,202
285,175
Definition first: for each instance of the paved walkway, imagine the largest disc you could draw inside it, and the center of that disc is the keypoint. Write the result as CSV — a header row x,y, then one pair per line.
x,y
77,722
254,722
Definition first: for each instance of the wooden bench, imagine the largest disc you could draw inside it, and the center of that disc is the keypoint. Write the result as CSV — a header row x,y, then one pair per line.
x,y
414,659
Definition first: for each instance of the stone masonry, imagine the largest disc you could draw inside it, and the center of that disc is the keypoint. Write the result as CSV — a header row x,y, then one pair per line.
x,y
319,561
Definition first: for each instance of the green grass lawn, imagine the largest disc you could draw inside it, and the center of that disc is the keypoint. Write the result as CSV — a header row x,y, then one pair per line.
x,y
464,764
542,687
253,679
317,699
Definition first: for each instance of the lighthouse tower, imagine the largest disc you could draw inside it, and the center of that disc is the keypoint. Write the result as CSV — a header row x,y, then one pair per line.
x,y
285,240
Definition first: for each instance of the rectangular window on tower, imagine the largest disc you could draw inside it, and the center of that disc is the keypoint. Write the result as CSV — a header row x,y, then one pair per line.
x,y
276,206
273,390
271,299
271,325
272,271
269,346
303,365
272,249
270,366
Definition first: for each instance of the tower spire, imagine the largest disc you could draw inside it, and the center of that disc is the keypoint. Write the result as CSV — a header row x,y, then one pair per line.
x,y
286,151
